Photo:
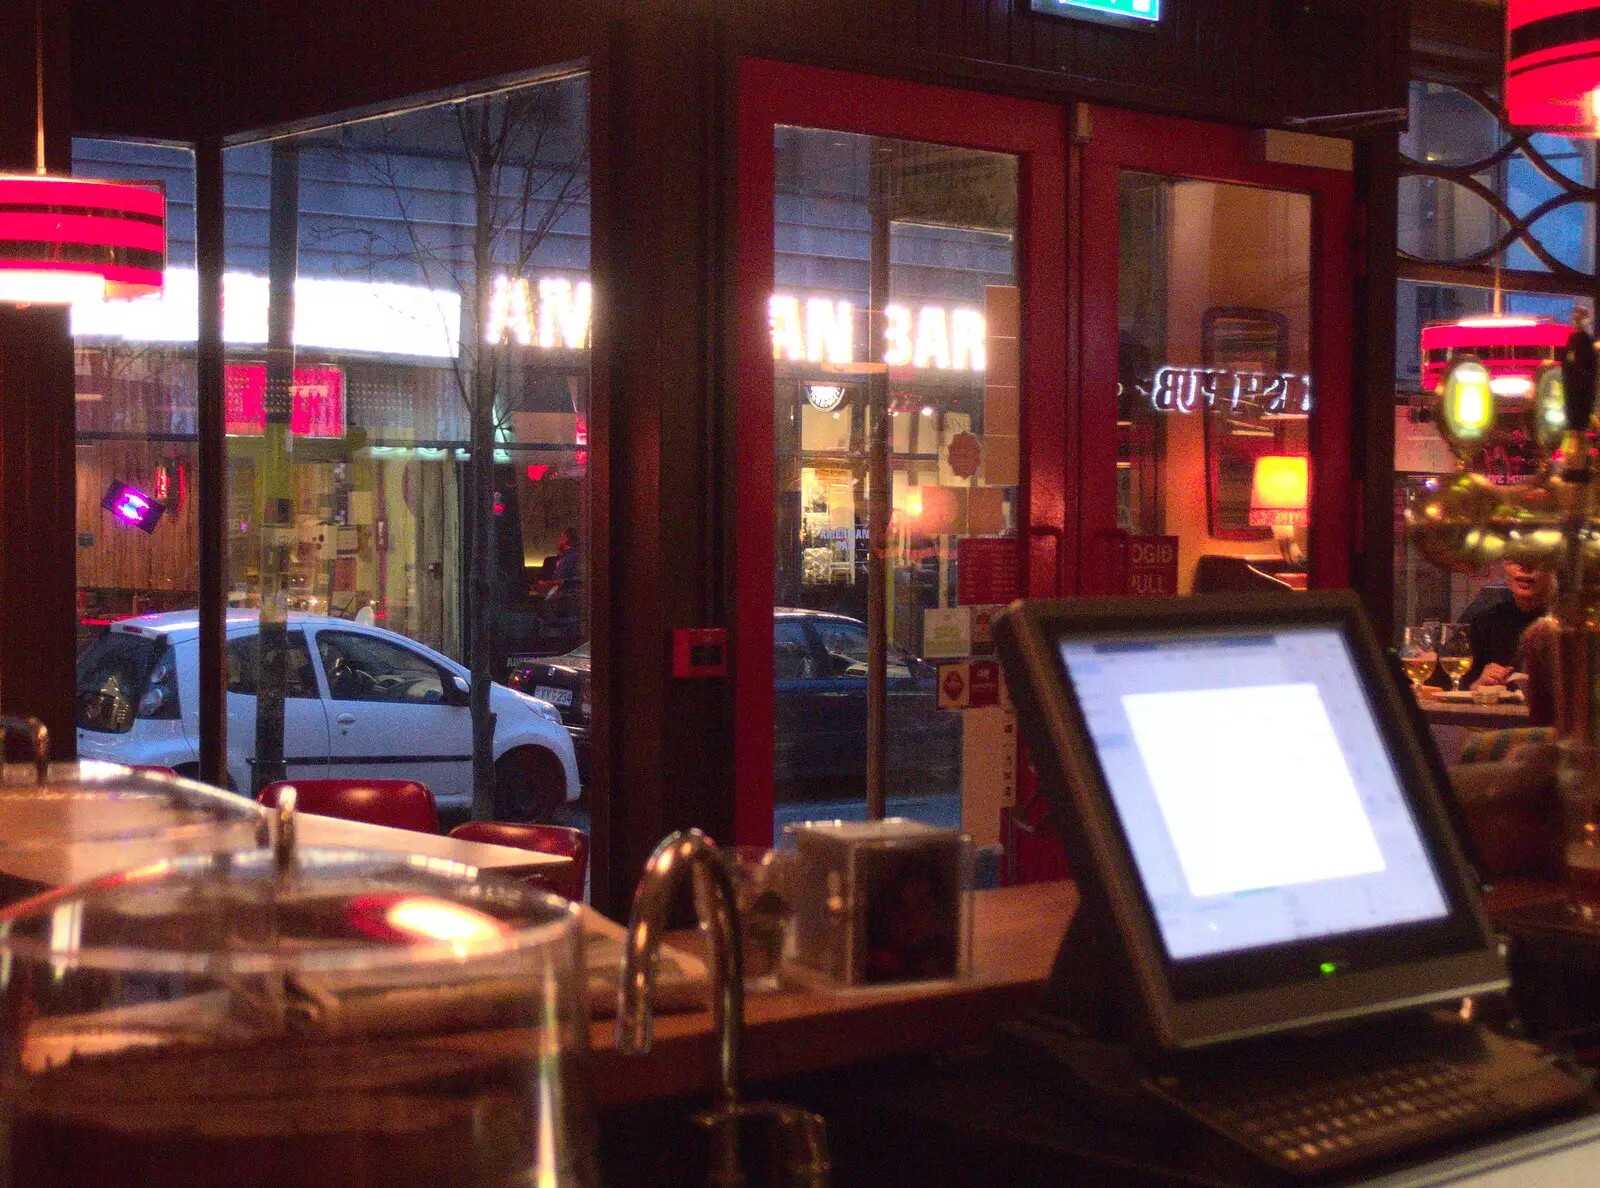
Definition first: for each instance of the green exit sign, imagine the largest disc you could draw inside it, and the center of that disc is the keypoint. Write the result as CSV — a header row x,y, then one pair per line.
x,y
1118,11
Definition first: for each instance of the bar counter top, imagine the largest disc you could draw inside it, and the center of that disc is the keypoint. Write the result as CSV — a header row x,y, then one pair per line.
x,y
1016,931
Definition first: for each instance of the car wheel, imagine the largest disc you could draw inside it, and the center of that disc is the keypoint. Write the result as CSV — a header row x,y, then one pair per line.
x,y
529,784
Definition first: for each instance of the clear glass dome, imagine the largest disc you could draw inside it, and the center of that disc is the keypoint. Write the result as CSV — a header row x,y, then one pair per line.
x,y
343,1021
71,822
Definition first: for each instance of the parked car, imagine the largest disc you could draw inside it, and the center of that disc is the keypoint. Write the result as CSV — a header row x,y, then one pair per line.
x,y
820,693
561,681
360,701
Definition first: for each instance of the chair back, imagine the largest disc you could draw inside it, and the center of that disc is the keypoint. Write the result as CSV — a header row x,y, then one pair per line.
x,y
401,804
544,839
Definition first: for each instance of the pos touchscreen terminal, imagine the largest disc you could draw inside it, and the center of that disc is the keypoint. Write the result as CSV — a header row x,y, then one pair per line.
x,y
1271,888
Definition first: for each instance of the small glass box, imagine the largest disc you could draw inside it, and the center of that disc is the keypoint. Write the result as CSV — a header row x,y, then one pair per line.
x,y
880,903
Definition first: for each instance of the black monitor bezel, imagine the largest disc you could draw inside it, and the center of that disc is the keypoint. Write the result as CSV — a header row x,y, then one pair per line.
x,y
1201,1000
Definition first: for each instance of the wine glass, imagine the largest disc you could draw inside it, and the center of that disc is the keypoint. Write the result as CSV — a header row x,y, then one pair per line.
x,y
1455,653
1417,655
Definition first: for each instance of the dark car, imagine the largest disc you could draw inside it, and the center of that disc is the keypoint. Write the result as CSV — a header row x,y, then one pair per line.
x,y
563,681
820,702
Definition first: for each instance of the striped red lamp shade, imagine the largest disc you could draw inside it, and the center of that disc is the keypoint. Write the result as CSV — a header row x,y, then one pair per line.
x,y
66,239
1553,64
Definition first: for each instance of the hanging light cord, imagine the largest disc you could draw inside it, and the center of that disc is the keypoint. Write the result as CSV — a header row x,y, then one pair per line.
x,y
38,86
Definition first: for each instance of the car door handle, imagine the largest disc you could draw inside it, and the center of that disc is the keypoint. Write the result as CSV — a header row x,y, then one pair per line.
x,y
346,719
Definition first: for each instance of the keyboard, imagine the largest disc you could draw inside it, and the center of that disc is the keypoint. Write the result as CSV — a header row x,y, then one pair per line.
x,y
1312,1106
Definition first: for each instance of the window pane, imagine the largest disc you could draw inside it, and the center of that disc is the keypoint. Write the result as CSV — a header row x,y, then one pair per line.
x,y
1443,221
895,321
362,668
135,402
423,383
1448,127
1215,359
242,660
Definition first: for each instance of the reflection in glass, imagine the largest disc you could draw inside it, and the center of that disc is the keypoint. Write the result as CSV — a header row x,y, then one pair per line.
x,y
1214,359
895,327
428,263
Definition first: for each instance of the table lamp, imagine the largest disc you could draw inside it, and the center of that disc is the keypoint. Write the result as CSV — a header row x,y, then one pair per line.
x,y
1278,500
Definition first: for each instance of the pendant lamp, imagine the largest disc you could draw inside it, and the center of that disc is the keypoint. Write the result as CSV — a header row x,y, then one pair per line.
x,y
67,239
1553,65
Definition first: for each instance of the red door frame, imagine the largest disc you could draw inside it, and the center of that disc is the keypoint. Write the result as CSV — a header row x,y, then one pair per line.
x,y
1185,148
772,93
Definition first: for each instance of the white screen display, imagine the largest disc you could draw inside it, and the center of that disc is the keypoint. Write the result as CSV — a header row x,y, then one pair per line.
x,y
1254,786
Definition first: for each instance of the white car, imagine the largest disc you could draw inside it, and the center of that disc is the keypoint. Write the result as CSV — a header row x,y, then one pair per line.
x,y
360,702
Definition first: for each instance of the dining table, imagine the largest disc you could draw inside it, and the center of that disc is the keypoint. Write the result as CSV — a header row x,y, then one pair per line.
x,y
1453,720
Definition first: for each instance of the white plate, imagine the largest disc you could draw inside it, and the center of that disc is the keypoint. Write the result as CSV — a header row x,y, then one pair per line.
x,y
554,696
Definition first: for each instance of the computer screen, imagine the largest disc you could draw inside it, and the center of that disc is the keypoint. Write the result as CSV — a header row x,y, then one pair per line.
x,y
1248,809
1260,801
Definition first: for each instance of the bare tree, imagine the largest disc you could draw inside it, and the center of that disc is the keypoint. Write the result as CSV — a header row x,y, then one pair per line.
x,y
524,161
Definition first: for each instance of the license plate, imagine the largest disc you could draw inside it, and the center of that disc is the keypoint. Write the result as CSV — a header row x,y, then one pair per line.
x,y
553,695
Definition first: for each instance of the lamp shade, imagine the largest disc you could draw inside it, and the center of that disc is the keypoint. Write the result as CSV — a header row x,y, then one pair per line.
x,y
1278,492
65,239
1552,63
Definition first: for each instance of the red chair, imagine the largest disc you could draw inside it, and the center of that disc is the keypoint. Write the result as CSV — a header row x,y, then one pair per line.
x,y
544,839
401,804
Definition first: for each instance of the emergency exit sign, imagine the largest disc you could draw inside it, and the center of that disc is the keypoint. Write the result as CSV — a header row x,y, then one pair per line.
x,y
1118,11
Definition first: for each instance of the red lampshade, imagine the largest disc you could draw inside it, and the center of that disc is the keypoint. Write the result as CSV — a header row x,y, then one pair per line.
x,y
68,239
1553,64
1278,492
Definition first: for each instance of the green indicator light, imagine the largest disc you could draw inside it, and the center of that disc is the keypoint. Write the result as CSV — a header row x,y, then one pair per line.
x,y
1328,969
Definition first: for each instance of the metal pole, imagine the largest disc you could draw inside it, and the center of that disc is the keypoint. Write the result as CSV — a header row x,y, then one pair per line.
x,y
211,502
878,490
275,476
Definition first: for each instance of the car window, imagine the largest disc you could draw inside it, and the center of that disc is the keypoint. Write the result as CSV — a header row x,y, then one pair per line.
x,y
112,676
792,659
846,646
243,666
366,668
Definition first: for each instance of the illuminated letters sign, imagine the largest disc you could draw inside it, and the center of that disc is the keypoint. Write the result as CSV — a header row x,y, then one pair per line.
x,y
822,330
560,317
1104,10
1190,389
316,396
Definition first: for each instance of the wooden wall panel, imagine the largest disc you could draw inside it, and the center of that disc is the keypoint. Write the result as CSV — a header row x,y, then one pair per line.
x,y
1247,60
119,557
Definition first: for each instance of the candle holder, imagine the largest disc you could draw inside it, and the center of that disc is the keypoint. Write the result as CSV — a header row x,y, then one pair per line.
x,y
1547,520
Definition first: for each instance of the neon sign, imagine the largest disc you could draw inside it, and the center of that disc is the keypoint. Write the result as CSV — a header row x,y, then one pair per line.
x,y
1187,389
132,506
821,330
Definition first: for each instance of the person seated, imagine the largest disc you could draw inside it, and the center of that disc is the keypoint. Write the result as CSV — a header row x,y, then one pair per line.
x,y
1497,619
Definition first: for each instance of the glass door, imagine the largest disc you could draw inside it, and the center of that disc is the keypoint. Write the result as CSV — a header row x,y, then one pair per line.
x,y
888,234
1216,295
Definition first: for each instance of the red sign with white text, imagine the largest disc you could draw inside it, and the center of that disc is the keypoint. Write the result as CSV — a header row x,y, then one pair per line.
x,y
316,401
988,572
1153,566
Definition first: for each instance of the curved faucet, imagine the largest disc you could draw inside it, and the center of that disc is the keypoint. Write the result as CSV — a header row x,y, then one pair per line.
x,y
690,851
799,1139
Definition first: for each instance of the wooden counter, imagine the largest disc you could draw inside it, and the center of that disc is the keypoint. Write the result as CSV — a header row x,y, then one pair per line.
x,y
1016,931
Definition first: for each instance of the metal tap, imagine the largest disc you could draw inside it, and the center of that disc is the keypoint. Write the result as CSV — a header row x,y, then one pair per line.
x,y
691,851
800,1140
